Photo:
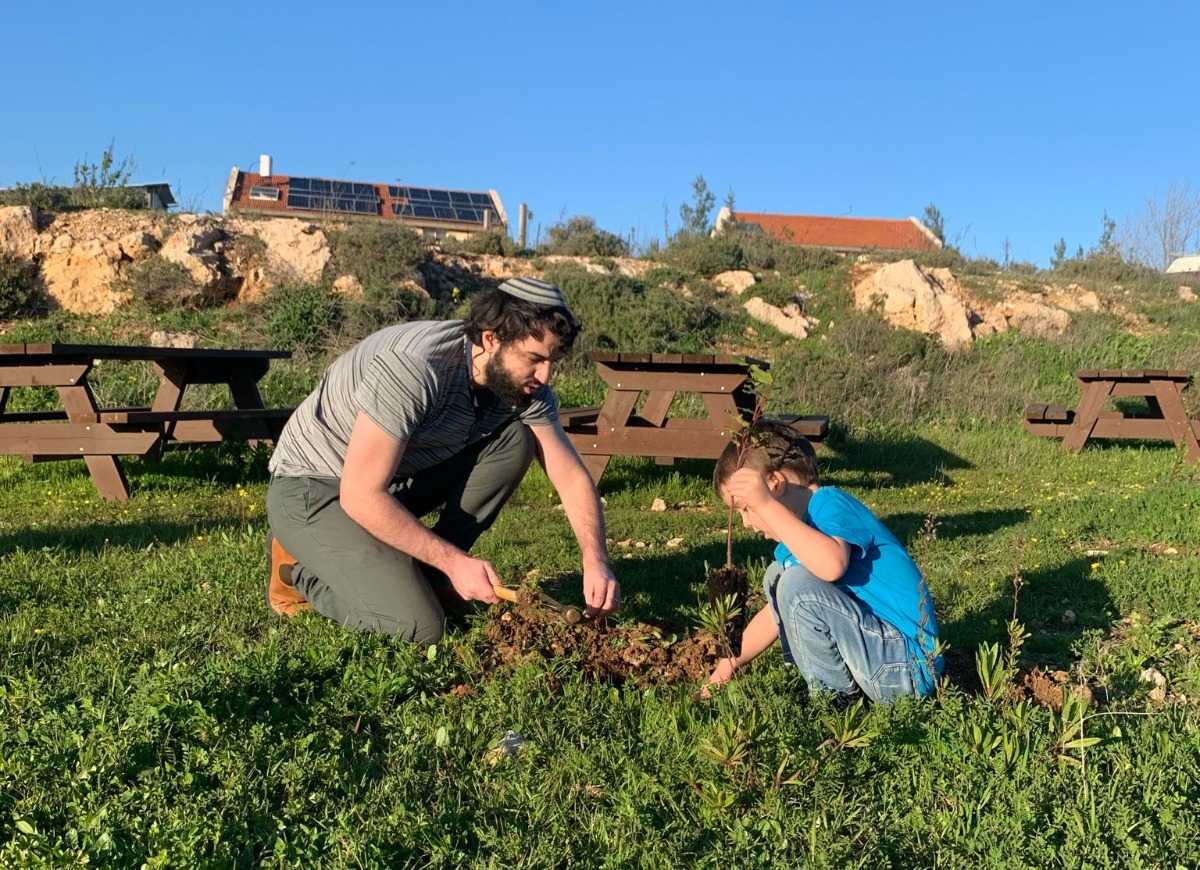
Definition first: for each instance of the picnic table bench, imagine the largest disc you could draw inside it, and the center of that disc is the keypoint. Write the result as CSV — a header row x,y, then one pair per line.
x,y
1165,416
80,428
617,428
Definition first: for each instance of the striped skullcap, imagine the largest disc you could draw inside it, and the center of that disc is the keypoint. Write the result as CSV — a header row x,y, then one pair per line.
x,y
531,290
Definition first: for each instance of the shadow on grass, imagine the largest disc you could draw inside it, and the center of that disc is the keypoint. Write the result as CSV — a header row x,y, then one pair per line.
x,y
907,526
898,461
1044,598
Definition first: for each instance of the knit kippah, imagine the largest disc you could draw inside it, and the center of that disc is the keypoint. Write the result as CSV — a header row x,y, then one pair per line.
x,y
531,290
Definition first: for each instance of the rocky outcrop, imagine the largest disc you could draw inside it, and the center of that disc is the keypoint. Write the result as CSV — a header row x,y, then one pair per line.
x,y
933,302
923,300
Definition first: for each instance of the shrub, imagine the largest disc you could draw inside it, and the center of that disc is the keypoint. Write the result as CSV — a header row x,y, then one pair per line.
x,y
302,317
626,314
21,293
161,285
381,255
1106,267
580,237
40,196
494,241
705,255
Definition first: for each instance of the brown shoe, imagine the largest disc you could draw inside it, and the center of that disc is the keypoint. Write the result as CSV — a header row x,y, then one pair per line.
x,y
281,594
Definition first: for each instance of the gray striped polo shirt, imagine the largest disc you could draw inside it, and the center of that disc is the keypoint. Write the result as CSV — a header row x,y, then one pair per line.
x,y
413,381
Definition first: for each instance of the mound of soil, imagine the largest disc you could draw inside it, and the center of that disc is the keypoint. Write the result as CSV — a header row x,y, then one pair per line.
x,y
643,654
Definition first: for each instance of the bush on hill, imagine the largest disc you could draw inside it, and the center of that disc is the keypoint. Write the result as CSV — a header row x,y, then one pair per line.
x,y
20,287
380,255
580,237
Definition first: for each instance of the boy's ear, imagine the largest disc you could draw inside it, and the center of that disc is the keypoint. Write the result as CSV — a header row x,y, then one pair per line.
x,y
776,482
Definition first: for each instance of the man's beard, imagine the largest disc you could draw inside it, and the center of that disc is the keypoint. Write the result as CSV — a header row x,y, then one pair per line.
x,y
503,385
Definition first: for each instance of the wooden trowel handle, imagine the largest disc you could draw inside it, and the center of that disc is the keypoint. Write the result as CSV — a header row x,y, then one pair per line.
x,y
505,592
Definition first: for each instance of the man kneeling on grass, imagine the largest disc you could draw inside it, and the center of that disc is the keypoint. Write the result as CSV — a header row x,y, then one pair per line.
x,y
845,599
418,417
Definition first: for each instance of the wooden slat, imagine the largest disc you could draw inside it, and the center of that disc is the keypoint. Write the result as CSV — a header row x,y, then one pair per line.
x,y
1035,412
575,416
45,375
683,382
72,439
1057,413
136,416
141,352
7,349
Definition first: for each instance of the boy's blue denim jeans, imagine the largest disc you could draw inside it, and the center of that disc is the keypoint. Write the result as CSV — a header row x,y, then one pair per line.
x,y
838,645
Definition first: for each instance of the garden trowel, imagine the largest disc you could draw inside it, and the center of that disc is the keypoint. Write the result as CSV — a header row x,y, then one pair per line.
x,y
568,613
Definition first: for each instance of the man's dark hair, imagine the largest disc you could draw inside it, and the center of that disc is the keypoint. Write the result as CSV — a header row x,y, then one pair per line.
x,y
514,319
770,445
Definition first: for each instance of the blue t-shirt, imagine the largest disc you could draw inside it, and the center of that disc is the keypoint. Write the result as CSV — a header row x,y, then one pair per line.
x,y
881,575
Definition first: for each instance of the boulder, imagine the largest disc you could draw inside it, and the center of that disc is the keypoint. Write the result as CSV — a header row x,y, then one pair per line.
x,y
923,300
18,231
296,251
735,281
789,320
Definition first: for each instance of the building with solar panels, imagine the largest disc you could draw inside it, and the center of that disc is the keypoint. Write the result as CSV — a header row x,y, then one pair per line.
x,y
435,213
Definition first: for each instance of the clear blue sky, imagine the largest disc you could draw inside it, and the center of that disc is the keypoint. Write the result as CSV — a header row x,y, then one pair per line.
x,y
1023,121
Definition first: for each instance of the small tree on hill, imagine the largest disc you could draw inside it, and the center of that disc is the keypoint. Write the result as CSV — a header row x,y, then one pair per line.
x,y
695,215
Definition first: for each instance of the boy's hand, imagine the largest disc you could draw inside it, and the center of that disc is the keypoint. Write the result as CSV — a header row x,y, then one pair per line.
x,y
749,488
721,675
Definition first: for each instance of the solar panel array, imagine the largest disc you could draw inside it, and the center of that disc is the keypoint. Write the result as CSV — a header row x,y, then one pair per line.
x,y
319,194
446,205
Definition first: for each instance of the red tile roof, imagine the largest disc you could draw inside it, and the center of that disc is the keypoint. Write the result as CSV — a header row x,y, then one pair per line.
x,y
843,233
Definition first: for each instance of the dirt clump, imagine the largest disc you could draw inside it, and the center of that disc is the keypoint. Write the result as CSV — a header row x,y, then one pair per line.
x,y
642,653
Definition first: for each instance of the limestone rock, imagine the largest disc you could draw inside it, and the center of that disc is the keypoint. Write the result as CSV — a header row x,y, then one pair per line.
x,y
197,246
18,231
923,300
348,286
1186,294
296,251
163,338
1031,315
735,281
788,320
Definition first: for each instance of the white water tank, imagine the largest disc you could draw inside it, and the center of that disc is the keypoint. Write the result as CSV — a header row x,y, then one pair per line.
x,y
264,165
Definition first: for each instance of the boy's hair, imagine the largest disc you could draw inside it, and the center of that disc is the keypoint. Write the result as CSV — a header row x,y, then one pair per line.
x,y
515,319
770,445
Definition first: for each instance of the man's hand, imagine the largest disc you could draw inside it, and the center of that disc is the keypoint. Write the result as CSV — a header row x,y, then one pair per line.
x,y
473,579
601,591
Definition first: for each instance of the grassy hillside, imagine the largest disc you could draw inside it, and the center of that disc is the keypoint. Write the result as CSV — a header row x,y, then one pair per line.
x,y
155,713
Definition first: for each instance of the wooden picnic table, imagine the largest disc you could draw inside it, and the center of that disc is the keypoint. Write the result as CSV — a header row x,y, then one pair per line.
x,y
1165,417
80,428
618,428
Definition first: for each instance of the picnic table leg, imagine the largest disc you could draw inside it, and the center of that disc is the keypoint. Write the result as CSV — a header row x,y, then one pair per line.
x,y
595,463
1177,419
1094,397
654,412
105,469
109,477
171,383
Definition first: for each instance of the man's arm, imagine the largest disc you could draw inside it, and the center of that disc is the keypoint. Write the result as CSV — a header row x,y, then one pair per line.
x,y
581,501
372,458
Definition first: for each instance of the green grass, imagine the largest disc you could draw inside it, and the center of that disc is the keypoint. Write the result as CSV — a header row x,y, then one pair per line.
x,y
154,713
157,714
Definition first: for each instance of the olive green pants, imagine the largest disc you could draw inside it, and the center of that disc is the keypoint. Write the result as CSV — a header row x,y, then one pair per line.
x,y
352,577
